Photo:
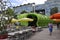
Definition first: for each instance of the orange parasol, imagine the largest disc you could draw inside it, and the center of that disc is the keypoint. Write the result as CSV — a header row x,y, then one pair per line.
x,y
55,17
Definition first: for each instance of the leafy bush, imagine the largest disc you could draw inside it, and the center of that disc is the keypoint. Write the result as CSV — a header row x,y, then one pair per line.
x,y
42,20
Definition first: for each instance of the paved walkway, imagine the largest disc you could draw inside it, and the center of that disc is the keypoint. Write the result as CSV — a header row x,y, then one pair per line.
x,y
44,35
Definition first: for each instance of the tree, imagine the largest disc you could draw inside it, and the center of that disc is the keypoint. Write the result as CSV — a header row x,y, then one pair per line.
x,y
32,11
24,12
54,10
9,12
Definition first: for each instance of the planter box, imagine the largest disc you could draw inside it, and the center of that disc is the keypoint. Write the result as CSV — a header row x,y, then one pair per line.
x,y
3,36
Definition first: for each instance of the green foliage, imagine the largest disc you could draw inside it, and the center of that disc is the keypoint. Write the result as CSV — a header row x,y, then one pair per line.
x,y
54,10
23,16
42,20
24,12
34,17
9,12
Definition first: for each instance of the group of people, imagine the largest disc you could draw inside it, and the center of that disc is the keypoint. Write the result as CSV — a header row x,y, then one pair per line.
x,y
50,26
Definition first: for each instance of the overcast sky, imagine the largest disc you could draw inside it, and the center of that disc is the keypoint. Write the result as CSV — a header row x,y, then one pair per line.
x,y
21,2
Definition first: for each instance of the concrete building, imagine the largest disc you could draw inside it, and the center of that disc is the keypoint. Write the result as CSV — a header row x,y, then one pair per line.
x,y
26,7
41,8
49,4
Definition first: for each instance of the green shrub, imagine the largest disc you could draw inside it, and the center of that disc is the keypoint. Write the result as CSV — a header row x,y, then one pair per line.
x,y
42,20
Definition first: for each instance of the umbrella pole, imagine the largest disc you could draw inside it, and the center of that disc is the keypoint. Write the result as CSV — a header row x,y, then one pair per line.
x,y
57,25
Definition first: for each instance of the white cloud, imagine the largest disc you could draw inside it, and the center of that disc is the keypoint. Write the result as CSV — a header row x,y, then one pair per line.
x,y
18,0
34,1
21,2
15,4
24,2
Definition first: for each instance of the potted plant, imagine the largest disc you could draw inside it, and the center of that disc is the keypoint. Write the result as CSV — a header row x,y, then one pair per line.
x,y
3,31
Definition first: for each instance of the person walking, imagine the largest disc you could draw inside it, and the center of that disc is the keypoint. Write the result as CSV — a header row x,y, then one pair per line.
x,y
50,25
